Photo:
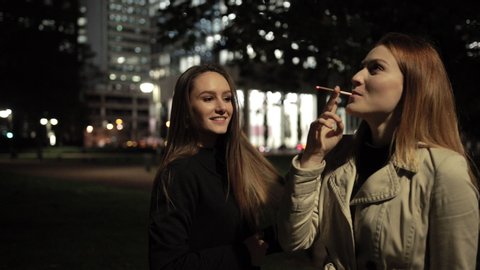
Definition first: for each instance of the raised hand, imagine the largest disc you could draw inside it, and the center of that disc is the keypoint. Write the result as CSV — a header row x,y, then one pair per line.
x,y
257,249
324,133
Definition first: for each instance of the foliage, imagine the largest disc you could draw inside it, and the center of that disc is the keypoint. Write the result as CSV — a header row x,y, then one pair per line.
x,y
39,63
335,35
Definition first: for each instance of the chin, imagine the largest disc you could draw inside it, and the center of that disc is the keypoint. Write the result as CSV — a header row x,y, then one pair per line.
x,y
219,131
349,109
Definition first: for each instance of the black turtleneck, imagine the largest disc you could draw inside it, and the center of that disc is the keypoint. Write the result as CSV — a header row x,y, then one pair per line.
x,y
368,160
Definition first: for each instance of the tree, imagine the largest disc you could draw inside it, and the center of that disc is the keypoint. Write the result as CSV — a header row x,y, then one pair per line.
x,y
294,45
39,63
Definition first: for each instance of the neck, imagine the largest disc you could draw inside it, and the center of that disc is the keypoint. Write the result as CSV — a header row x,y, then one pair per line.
x,y
382,132
208,141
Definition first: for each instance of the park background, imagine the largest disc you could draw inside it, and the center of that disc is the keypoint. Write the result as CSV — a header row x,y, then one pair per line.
x,y
85,88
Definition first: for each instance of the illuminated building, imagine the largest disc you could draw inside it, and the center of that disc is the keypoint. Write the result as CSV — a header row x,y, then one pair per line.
x,y
118,32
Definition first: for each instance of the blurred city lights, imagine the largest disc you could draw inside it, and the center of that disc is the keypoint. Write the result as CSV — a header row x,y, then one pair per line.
x,y
5,113
146,87
48,123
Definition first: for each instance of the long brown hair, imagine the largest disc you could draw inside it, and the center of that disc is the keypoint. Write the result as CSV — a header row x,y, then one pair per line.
x,y
426,112
253,181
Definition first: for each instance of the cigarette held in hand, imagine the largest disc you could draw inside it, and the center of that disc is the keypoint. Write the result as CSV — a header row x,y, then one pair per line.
x,y
332,90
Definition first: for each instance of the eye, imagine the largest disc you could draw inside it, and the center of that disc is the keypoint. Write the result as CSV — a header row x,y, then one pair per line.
x,y
374,67
207,98
227,98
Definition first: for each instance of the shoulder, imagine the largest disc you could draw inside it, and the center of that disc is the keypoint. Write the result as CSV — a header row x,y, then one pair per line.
x,y
450,171
441,154
179,172
447,161
181,165
453,193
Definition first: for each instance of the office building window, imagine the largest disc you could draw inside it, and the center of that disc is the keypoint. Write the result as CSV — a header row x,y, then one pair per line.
x,y
188,61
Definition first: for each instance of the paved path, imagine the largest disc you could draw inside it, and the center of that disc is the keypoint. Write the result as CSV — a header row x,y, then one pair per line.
x,y
124,175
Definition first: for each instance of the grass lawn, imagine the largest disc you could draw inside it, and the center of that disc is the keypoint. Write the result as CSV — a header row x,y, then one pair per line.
x,y
54,224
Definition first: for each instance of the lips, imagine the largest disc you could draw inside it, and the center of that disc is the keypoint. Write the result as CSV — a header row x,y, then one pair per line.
x,y
355,92
218,118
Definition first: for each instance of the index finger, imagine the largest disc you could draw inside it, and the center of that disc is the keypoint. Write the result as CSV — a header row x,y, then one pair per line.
x,y
331,105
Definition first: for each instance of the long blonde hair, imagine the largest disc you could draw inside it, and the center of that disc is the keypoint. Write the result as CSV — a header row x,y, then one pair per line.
x,y
254,182
426,112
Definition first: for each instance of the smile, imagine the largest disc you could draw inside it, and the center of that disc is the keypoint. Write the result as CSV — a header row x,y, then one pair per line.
x,y
218,118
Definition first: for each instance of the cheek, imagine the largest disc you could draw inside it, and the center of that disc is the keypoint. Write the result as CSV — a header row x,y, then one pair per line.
x,y
197,116
395,92
230,108
388,90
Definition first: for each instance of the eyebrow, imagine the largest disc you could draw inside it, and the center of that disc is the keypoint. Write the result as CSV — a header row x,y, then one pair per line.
x,y
214,92
379,60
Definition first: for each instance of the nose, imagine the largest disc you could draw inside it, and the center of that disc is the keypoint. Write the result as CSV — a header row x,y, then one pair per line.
x,y
220,107
357,79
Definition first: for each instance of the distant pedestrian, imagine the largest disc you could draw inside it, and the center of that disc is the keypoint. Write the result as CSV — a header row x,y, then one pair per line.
x,y
214,191
399,193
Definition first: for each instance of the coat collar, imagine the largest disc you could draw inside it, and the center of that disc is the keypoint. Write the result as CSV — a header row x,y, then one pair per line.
x,y
380,186
383,185
411,169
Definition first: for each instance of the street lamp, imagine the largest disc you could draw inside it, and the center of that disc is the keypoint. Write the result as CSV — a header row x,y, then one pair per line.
x,y
48,123
155,107
7,114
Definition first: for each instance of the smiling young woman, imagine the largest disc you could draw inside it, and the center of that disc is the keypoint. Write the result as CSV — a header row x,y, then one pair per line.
x,y
214,192
211,100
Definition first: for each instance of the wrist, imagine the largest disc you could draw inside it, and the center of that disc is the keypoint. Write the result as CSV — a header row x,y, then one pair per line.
x,y
310,160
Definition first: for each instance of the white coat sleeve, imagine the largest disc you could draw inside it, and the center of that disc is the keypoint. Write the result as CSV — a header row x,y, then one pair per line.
x,y
299,212
454,217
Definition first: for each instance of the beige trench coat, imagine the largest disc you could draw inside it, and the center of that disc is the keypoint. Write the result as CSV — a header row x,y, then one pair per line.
x,y
405,218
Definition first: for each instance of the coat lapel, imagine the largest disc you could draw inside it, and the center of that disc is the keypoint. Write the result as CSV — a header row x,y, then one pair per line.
x,y
341,183
380,186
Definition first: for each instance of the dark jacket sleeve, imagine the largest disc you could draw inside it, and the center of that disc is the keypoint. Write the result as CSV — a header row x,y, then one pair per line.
x,y
169,228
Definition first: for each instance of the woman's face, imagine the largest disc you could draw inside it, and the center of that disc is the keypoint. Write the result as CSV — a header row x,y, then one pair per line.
x,y
377,87
211,99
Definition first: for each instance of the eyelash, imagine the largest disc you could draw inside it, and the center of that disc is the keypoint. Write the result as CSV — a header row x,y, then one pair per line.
x,y
209,98
373,67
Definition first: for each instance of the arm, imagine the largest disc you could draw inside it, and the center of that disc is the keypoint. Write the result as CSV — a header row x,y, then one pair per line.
x,y
169,231
454,217
299,213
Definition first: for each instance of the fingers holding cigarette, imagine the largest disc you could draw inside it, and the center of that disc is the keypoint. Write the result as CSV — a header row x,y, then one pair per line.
x,y
332,102
329,118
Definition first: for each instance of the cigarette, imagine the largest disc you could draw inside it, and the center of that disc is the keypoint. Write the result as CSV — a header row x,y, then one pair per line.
x,y
332,90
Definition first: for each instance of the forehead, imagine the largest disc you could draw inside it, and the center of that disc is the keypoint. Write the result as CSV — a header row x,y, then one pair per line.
x,y
210,81
381,53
